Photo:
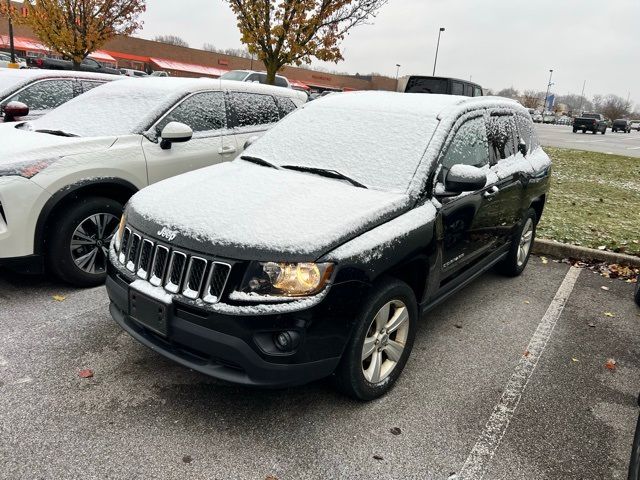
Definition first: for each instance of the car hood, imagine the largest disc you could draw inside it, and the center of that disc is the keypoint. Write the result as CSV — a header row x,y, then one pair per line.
x,y
243,211
19,145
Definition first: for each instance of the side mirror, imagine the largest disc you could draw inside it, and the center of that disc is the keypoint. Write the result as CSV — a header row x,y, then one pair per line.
x,y
175,132
465,178
522,148
13,110
250,141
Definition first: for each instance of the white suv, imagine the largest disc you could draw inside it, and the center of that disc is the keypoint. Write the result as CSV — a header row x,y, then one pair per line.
x,y
65,177
255,77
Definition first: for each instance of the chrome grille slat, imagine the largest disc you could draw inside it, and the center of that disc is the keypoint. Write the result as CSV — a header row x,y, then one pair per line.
x,y
176,271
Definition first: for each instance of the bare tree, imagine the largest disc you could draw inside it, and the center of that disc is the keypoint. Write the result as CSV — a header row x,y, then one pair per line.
x,y
285,32
171,40
576,104
234,52
531,98
509,93
614,107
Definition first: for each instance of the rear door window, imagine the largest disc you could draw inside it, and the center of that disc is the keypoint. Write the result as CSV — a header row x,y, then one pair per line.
x,y
203,112
45,95
253,109
468,90
286,106
457,88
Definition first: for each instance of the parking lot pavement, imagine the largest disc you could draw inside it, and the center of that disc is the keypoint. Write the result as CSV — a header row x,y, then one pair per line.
x,y
562,136
141,416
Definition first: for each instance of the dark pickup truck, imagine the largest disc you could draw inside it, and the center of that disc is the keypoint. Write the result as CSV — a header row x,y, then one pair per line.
x,y
594,122
87,65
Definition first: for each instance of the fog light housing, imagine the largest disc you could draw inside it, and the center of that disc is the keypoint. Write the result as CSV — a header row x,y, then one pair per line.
x,y
286,341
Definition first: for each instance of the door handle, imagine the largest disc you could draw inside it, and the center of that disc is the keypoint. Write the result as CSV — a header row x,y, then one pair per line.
x,y
227,150
492,192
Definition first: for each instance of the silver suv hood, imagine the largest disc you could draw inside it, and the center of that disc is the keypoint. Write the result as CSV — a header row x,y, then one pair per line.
x,y
247,212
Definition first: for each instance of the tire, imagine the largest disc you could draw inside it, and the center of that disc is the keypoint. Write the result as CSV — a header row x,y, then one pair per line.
x,y
521,246
355,376
584,130
90,219
575,130
613,130
595,131
637,294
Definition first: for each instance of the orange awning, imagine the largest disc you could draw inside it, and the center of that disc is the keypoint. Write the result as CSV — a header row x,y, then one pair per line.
x,y
102,56
296,83
188,67
22,43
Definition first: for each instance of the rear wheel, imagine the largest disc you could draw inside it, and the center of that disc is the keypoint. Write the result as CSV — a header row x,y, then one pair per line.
x,y
78,243
381,343
521,246
584,130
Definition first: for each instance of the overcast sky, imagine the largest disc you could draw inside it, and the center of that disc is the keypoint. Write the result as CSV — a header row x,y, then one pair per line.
x,y
499,43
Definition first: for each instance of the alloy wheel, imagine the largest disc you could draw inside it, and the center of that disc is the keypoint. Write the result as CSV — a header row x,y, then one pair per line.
x,y
385,341
526,239
90,242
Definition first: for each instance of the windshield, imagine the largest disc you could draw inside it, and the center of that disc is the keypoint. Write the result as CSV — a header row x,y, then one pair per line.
x,y
118,108
591,115
377,148
234,75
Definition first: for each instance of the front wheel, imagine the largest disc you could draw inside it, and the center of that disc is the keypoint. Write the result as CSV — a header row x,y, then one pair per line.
x,y
78,242
381,343
521,244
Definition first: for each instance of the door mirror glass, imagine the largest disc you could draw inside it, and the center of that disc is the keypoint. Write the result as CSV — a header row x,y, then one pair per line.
x,y
465,178
175,132
522,148
250,141
15,110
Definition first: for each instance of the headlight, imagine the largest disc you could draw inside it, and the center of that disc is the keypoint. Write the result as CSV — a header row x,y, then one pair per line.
x,y
25,169
287,279
118,238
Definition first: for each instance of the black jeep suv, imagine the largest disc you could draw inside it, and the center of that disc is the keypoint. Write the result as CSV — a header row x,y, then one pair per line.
x,y
318,250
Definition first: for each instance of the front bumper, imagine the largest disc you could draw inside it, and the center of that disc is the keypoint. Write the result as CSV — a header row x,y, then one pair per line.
x,y
239,348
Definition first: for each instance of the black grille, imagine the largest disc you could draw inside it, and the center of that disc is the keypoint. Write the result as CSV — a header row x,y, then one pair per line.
x,y
144,264
195,276
176,270
216,281
132,255
124,244
159,264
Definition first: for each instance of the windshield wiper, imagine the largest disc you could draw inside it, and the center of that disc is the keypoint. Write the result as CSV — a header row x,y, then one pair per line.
x,y
58,133
259,161
325,173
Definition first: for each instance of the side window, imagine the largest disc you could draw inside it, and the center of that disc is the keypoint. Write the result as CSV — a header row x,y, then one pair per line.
x,y
468,147
527,133
477,92
468,91
281,82
203,112
457,88
254,109
89,85
254,77
45,95
286,106
501,133
90,63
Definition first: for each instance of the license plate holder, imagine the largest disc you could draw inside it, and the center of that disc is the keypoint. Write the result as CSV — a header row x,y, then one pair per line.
x,y
149,312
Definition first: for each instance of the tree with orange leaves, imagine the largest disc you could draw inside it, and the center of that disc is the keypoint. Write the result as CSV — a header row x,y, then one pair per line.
x,y
75,28
284,32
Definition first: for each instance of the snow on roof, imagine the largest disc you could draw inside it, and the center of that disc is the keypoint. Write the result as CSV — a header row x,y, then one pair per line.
x,y
12,79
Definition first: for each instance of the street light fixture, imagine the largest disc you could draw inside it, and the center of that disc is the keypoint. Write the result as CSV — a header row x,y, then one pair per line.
x,y
11,44
435,62
546,98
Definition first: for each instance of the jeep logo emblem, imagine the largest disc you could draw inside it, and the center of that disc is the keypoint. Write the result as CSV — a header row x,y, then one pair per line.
x,y
167,233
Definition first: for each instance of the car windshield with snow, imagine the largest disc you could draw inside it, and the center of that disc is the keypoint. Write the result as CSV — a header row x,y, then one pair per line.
x,y
65,177
316,251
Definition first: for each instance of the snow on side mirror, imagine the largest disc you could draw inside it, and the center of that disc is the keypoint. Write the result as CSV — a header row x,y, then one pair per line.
x,y
465,178
250,141
522,148
175,132
13,110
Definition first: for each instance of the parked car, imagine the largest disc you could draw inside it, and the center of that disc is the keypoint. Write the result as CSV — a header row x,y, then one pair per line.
x,y
255,77
87,65
316,252
564,120
442,85
5,60
159,73
635,125
549,118
65,177
537,118
29,94
594,122
622,125
129,72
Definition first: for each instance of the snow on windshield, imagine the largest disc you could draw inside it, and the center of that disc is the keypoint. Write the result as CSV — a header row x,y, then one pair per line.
x,y
376,138
118,108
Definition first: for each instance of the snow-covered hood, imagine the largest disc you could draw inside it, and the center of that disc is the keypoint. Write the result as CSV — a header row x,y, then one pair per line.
x,y
19,145
247,212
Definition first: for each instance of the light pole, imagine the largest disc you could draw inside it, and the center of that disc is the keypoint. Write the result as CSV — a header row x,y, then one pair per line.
x,y
397,74
435,62
11,45
544,106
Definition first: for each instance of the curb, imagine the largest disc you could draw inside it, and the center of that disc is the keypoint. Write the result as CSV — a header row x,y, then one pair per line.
x,y
564,250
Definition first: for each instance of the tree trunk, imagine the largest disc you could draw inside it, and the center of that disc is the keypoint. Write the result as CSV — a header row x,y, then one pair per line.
x,y
272,68
76,65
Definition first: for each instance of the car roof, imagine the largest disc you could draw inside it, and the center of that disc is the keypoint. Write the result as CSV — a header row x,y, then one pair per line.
x,y
428,105
29,74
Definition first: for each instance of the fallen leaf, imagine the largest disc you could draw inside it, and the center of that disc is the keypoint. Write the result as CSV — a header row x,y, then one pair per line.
x,y
609,314
575,360
271,477
606,289
187,459
544,260
602,247
527,302
526,354
378,457
458,325
59,298
610,365
395,431
86,373
592,325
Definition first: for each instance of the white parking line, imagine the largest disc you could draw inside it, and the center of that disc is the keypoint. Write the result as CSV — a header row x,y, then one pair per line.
x,y
485,448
